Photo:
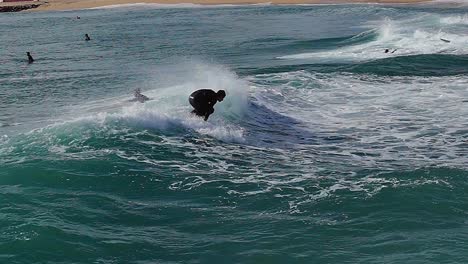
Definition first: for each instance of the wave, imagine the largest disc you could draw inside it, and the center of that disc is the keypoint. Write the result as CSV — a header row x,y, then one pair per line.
x,y
167,114
168,107
332,43
418,65
422,37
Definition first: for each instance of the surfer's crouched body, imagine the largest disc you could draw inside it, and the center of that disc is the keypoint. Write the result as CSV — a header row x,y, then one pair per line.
x,y
139,97
204,100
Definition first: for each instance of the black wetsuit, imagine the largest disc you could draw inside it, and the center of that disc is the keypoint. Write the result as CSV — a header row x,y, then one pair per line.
x,y
30,58
203,101
140,98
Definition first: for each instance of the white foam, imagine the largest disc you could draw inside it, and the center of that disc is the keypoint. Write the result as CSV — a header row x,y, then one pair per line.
x,y
408,37
376,119
462,20
151,117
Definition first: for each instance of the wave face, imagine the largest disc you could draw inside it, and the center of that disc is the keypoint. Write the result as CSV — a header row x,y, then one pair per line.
x,y
325,150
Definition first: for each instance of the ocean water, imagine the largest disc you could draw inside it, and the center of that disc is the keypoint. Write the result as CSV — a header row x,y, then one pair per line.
x,y
325,150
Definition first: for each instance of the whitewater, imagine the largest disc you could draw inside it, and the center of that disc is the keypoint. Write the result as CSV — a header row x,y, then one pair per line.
x,y
326,148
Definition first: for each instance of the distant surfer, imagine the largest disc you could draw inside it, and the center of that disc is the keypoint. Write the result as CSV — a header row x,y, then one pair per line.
x,y
30,58
387,51
203,101
445,40
87,38
139,97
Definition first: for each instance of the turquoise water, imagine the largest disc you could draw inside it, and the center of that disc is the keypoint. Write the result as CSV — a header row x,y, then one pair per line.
x,y
325,150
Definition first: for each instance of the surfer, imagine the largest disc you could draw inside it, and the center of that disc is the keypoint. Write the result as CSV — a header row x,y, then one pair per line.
x,y
87,37
139,97
387,51
445,40
30,58
204,100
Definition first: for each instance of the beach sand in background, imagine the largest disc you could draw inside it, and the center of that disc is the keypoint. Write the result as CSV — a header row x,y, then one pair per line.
x,y
82,4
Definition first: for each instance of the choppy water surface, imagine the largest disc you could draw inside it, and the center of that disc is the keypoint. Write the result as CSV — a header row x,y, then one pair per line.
x,y
326,149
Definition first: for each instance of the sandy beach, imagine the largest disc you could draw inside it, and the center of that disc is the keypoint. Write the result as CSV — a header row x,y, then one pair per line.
x,y
82,4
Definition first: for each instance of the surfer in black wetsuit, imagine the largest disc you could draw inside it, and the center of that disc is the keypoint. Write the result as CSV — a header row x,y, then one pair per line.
x,y
204,100
139,97
30,58
87,38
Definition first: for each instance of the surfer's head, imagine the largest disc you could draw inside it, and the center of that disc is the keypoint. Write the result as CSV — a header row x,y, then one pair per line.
x,y
137,92
220,95
387,50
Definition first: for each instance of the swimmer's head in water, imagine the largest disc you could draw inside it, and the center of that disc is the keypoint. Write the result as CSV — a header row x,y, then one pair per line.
x,y
221,94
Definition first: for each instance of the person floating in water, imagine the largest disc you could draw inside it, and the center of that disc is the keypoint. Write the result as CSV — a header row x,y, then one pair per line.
x,y
204,100
87,37
30,58
387,51
139,97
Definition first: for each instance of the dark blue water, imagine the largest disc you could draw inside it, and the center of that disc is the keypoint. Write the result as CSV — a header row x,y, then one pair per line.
x,y
325,150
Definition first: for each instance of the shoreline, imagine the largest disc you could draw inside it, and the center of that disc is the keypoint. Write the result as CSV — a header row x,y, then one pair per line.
x,y
19,6
70,5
